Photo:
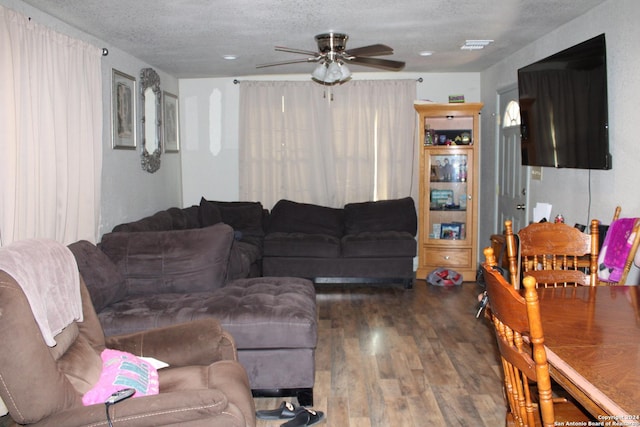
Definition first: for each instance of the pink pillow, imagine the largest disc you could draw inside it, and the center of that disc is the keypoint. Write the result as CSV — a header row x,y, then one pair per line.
x,y
122,370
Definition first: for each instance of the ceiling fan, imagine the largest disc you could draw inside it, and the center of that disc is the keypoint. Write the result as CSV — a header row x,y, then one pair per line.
x,y
332,57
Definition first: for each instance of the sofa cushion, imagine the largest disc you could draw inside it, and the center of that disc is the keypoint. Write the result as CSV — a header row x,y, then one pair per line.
x,y
171,261
383,215
244,217
243,256
178,218
293,217
104,282
208,213
301,245
157,222
192,216
379,244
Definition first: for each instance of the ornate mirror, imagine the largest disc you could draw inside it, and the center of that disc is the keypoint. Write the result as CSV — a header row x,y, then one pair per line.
x,y
151,119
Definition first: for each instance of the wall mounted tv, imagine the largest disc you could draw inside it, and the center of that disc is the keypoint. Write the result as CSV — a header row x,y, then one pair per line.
x,y
564,108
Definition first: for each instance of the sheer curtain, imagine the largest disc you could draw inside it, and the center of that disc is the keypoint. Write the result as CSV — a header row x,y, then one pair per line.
x,y
373,125
51,121
283,141
326,145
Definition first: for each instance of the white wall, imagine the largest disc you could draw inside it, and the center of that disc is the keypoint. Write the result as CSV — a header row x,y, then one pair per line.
x,y
573,192
206,166
128,192
210,134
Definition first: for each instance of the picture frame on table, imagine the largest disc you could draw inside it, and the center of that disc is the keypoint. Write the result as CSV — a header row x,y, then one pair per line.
x,y
170,131
123,111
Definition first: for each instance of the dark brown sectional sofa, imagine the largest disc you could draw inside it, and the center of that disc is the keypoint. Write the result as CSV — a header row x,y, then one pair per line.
x,y
142,280
362,242
248,268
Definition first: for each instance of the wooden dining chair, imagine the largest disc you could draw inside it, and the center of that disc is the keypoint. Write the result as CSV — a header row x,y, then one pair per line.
x,y
632,251
555,254
520,338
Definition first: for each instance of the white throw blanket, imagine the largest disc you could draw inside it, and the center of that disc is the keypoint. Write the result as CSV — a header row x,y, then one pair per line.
x,y
48,274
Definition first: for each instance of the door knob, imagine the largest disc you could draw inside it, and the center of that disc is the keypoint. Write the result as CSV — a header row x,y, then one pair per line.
x,y
520,206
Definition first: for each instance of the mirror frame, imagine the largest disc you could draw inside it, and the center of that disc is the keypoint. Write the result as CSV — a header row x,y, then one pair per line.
x,y
149,79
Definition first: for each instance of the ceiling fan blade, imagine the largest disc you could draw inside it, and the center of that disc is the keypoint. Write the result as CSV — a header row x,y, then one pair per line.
x,y
371,50
386,64
300,51
295,61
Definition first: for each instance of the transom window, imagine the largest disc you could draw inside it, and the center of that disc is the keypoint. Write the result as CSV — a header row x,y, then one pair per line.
x,y
511,115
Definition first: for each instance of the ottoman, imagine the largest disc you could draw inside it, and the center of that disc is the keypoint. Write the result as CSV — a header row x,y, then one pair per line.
x,y
273,321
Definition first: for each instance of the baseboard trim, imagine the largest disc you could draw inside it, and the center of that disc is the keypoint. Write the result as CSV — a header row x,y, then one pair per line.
x,y
407,282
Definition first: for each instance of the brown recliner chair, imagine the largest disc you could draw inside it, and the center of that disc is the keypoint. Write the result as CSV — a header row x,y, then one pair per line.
x,y
42,385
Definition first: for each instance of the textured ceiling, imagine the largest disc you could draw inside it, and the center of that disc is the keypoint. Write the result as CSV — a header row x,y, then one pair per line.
x,y
187,38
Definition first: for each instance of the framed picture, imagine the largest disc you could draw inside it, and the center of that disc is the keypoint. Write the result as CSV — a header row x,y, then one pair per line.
x,y
441,199
170,123
450,231
123,110
448,168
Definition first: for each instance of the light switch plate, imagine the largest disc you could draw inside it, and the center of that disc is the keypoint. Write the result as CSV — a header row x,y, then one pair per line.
x,y
536,173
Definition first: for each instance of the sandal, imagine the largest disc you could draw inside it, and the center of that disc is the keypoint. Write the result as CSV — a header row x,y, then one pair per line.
x,y
305,417
285,411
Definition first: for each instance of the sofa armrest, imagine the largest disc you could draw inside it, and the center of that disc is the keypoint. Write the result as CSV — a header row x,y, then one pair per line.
x,y
200,342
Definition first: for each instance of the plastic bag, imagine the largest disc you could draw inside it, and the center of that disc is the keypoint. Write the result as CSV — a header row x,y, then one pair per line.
x,y
444,277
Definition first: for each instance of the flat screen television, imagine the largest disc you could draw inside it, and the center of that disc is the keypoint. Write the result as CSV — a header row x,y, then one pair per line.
x,y
564,108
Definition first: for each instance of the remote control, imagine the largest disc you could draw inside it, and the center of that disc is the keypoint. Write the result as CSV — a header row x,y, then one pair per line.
x,y
483,304
120,395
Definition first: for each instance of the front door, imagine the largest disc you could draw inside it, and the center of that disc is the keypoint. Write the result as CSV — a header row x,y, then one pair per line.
x,y
513,184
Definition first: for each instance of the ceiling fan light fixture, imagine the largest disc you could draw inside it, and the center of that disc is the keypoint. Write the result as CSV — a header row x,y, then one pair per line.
x,y
320,72
331,72
345,72
332,55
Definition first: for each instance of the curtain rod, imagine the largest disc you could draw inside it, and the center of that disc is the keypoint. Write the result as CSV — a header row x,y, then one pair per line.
x,y
236,81
105,51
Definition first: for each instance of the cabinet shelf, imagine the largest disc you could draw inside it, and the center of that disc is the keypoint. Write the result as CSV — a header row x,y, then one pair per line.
x,y
453,181
448,208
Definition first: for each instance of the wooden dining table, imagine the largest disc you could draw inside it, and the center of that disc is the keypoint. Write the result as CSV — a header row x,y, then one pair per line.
x,y
592,336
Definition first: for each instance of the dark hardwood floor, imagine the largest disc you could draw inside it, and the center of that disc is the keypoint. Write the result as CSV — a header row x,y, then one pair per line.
x,y
390,357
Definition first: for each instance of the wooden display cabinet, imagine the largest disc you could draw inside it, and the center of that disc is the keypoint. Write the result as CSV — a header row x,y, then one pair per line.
x,y
448,205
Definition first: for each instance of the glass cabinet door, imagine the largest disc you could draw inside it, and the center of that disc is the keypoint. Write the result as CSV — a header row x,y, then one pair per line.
x,y
449,194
